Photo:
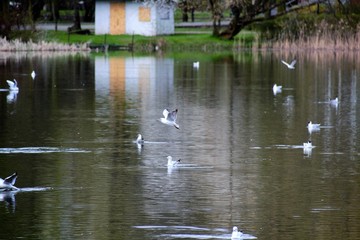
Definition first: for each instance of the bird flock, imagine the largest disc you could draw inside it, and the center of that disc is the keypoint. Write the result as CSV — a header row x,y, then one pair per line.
x,y
312,127
169,118
8,183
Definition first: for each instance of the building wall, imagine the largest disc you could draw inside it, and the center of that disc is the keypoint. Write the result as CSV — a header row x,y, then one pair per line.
x,y
132,18
102,20
165,21
141,20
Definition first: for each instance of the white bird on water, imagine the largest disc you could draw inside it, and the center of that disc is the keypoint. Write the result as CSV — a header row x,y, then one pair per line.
x,y
33,74
8,183
171,162
313,126
291,65
308,145
12,85
196,65
170,118
236,234
334,101
140,139
277,89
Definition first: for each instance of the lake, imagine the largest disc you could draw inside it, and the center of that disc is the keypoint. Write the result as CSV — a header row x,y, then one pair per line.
x,y
70,135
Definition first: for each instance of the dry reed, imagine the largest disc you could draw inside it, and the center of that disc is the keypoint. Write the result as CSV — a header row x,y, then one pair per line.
x,y
325,37
18,45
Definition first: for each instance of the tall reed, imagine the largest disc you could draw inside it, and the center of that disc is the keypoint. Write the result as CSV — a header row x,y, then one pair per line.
x,y
339,37
18,45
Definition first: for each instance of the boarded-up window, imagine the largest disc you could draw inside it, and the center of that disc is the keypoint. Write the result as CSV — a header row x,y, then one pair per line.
x,y
144,14
117,18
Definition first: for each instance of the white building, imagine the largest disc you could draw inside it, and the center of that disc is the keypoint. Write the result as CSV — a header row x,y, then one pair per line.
x,y
130,17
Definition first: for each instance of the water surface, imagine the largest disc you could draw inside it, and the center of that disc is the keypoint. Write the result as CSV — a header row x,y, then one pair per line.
x,y
69,133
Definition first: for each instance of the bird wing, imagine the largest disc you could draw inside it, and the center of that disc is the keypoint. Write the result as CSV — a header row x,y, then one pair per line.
x,y
172,116
293,63
284,62
165,113
11,179
10,83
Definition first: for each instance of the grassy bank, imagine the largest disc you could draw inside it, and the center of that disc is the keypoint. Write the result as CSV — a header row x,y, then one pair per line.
x,y
323,37
184,40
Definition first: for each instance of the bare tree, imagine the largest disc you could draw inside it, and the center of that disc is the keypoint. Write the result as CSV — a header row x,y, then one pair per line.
x,y
245,12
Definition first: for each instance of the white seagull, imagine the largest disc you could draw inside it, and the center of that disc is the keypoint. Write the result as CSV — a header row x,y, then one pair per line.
x,y
334,101
33,74
236,234
313,126
196,65
291,65
140,139
170,118
8,183
277,89
308,145
171,162
13,85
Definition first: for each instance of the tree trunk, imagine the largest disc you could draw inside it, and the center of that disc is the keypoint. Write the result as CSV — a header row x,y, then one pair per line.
x,y
235,26
77,23
5,23
192,14
55,12
215,16
30,17
89,10
185,17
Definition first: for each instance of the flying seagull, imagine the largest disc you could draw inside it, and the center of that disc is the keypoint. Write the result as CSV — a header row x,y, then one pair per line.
x,y
170,118
8,183
291,65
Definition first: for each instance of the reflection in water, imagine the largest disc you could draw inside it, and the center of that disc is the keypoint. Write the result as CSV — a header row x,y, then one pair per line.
x,y
8,197
11,97
74,129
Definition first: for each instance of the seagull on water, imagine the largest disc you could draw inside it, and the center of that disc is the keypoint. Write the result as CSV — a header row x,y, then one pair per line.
x,y
308,145
196,65
13,85
291,65
334,101
170,118
236,234
8,183
313,126
33,74
277,89
171,162
140,139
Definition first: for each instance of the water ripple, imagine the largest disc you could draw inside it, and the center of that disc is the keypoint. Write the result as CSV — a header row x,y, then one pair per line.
x,y
42,150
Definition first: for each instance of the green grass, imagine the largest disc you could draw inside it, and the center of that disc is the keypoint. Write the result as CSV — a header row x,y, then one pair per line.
x,y
178,42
